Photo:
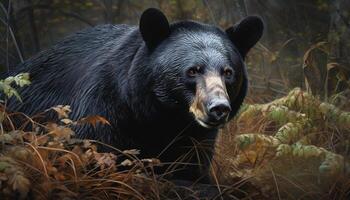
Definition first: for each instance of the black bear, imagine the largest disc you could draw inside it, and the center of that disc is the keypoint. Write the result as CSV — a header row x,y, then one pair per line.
x,y
165,88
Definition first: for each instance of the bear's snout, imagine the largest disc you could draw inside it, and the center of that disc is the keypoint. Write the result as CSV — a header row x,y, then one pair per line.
x,y
211,105
219,110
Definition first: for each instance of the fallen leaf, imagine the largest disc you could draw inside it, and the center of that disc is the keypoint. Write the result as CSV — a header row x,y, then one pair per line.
x,y
105,160
127,162
93,120
62,111
60,132
67,121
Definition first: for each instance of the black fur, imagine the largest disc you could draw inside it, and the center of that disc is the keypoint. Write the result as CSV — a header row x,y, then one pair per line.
x,y
135,79
246,34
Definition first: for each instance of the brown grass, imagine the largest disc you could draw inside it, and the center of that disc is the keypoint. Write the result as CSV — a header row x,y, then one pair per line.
x,y
299,175
293,147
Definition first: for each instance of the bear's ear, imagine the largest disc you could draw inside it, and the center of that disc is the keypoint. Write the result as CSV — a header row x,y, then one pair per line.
x,y
154,27
246,33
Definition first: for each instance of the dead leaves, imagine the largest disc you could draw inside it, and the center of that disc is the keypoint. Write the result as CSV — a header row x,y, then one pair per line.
x,y
63,114
62,111
60,132
48,160
49,164
105,160
53,163
13,179
94,120
322,78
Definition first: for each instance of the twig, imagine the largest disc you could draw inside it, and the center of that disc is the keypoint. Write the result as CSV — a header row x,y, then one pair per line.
x,y
9,30
210,11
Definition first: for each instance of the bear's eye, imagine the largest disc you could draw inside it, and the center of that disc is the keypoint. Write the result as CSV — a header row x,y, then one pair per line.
x,y
193,71
228,72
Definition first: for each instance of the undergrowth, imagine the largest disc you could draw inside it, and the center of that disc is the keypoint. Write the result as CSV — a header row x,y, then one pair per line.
x,y
48,162
295,147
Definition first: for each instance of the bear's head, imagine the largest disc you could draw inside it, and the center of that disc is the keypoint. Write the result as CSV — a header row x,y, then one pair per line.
x,y
198,69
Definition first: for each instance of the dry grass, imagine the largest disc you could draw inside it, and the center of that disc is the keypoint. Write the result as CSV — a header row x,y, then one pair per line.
x,y
48,163
295,147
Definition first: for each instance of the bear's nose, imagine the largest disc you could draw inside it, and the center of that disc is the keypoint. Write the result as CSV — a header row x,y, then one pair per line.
x,y
219,110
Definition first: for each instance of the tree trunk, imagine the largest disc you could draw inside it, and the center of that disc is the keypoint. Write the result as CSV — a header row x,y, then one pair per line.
x,y
33,28
339,42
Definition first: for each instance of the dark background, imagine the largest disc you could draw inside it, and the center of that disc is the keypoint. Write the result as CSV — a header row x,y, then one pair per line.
x,y
305,44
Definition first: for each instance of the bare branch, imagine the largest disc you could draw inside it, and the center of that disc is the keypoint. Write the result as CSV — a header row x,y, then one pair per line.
x,y
14,39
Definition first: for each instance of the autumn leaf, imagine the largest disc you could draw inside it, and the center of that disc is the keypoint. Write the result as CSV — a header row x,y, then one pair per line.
x,y
62,111
86,143
60,132
93,120
105,160
67,121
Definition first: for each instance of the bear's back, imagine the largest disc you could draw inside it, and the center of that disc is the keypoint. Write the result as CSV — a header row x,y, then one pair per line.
x,y
58,74
75,50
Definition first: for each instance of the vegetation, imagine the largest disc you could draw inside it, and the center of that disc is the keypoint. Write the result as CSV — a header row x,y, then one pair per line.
x,y
293,147
47,162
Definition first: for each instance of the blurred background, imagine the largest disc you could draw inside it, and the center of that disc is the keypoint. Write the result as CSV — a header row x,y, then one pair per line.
x,y
305,44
